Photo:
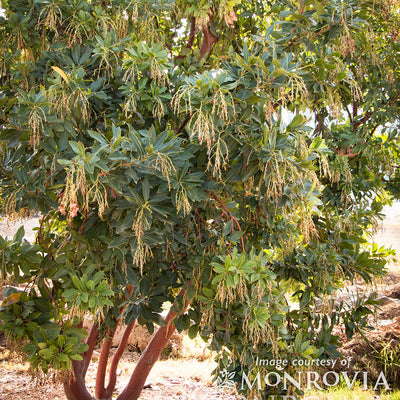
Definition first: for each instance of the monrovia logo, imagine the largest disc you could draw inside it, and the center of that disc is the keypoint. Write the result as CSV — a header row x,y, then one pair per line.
x,y
302,380
311,380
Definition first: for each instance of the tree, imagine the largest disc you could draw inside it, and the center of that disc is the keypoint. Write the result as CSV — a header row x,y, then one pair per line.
x,y
226,157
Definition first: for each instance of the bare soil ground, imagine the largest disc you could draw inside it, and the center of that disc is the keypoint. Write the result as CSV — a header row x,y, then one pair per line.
x,y
188,378
170,379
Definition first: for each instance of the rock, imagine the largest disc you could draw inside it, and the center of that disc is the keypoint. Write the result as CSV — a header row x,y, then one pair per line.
x,y
376,355
384,300
389,311
394,291
140,338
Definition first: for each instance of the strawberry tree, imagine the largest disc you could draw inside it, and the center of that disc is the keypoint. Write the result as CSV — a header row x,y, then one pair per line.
x,y
226,158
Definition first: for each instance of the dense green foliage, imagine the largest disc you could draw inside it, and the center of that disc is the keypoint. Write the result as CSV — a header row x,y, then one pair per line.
x,y
238,150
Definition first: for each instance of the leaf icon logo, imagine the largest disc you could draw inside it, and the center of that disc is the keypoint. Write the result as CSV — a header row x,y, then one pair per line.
x,y
225,379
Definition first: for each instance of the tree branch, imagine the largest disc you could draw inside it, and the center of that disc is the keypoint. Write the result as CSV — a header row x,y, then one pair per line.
x,y
91,342
349,114
7,121
116,358
74,387
323,30
364,119
355,109
150,356
40,237
228,213
192,33
394,100
184,123
100,389
208,41
320,123
50,295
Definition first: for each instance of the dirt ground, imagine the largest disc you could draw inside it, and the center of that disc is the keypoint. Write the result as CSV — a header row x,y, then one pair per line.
x,y
389,235
186,378
170,379
9,229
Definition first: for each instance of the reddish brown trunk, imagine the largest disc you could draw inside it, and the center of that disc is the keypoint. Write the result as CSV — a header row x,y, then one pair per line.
x,y
147,360
100,390
91,342
75,388
192,32
208,42
192,35
115,360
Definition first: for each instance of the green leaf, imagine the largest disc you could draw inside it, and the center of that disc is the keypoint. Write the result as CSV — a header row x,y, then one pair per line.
x,y
75,147
19,235
62,357
76,357
208,292
98,277
228,228
92,301
96,85
193,331
279,72
253,99
97,136
229,281
76,332
217,279
84,297
47,354
296,122
77,282
70,294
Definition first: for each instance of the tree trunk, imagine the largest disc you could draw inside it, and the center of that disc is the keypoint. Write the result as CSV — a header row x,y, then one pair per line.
x,y
115,360
208,42
100,390
147,360
75,388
